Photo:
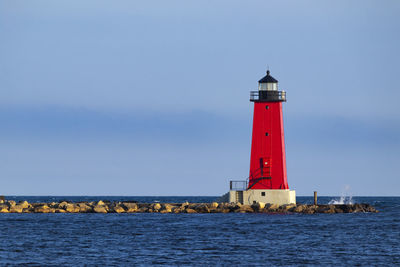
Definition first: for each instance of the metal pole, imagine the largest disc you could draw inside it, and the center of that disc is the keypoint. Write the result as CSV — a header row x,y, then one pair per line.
x,y
315,197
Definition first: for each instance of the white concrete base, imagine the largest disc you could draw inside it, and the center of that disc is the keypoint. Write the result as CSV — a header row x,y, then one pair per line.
x,y
272,196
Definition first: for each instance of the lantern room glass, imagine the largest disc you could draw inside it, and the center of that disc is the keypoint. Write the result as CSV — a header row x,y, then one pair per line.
x,y
267,86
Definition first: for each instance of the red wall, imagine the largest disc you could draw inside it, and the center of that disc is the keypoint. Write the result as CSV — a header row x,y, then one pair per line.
x,y
271,148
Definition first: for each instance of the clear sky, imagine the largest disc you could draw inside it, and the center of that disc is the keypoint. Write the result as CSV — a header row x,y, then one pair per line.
x,y
152,97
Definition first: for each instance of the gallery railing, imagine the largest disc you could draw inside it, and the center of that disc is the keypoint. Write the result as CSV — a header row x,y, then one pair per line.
x,y
268,96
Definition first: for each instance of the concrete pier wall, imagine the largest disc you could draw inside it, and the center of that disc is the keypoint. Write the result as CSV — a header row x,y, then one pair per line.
x,y
273,196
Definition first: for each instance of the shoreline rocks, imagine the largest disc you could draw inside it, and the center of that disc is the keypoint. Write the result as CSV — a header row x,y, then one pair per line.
x,y
133,207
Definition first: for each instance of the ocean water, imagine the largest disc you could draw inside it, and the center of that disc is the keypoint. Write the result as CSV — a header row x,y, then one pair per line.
x,y
365,239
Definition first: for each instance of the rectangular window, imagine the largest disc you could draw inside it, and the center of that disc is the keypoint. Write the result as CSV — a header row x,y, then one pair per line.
x,y
263,194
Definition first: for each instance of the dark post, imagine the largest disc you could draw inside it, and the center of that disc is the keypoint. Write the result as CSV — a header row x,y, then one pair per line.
x,y
230,185
315,197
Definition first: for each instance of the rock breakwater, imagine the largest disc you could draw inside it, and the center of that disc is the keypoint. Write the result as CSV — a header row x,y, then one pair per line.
x,y
133,207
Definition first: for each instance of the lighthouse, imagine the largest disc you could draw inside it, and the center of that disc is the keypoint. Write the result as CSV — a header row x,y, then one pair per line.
x,y
267,181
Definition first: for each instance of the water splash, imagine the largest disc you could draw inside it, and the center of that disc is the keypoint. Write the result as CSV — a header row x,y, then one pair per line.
x,y
346,197
342,200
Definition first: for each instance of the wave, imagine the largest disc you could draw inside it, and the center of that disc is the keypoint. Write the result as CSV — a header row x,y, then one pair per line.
x,y
342,200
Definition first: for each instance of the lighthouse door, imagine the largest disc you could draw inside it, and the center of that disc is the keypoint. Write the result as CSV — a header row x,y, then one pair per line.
x,y
265,166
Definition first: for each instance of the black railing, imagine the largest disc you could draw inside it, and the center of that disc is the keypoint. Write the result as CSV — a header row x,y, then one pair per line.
x,y
238,185
273,96
241,185
257,176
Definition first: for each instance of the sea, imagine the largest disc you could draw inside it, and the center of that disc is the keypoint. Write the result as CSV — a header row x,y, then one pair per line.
x,y
233,239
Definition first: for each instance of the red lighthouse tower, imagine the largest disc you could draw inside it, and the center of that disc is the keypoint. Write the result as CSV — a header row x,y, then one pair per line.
x,y
268,160
267,180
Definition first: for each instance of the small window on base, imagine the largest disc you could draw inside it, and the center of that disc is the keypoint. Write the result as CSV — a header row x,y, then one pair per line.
x,y
263,194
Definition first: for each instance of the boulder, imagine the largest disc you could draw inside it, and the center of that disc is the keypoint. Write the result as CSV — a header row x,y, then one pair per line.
x,y
329,211
84,208
259,206
72,208
185,205
118,209
300,208
100,203
57,210
325,209
288,207
224,210
309,211
178,210
130,207
345,208
338,210
11,203
224,205
369,208
4,208
233,206
271,207
245,209
359,208
274,206
156,206
188,210
237,204
16,209
321,208
143,209
63,205
53,205
202,208
100,208
192,206
34,205
42,209
165,211
281,209
24,204
214,205
166,208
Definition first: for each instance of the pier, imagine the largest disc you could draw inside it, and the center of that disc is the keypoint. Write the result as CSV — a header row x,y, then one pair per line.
x,y
134,207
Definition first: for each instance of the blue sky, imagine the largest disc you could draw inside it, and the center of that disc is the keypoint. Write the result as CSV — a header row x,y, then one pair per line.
x,y
151,97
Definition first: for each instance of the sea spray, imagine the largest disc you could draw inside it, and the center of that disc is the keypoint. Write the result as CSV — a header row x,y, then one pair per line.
x,y
345,198
342,200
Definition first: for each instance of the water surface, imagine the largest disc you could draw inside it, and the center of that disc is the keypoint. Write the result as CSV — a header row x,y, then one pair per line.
x,y
202,239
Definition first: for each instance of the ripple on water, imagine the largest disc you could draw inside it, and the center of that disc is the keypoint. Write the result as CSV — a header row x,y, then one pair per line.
x,y
206,239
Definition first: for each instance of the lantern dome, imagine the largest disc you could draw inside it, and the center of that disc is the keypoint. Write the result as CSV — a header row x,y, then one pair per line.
x,y
268,83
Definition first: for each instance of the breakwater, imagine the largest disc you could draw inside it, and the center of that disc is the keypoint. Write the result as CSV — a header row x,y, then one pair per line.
x,y
134,207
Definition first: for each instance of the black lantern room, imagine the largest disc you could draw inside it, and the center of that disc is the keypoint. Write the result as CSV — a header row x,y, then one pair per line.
x,y
268,91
